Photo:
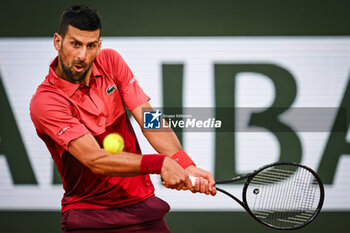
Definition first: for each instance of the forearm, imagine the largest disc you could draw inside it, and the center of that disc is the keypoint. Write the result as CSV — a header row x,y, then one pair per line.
x,y
123,164
163,142
99,161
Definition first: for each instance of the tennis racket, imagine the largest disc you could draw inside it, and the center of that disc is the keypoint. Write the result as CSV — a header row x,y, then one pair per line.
x,y
280,195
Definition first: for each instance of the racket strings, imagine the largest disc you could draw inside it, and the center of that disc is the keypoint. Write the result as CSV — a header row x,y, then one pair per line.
x,y
284,196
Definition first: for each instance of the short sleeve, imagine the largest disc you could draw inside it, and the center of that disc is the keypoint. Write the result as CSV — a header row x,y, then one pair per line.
x,y
53,115
131,92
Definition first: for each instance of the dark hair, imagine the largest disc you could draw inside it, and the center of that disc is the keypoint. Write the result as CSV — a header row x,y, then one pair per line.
x,y
81,17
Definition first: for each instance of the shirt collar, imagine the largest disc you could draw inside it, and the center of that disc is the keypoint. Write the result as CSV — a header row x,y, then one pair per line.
x,y
66,86
95,72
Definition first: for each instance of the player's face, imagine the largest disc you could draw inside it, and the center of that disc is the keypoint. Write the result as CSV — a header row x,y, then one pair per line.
x,y
76,53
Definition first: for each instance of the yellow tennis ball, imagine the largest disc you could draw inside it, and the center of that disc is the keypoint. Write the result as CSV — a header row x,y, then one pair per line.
x,y
113,143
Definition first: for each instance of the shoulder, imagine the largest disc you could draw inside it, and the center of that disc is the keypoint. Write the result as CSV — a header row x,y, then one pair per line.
x,y
47,98
46,93
106,55
111,62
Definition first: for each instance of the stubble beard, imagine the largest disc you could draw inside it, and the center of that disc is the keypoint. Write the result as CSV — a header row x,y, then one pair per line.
x,y
74,78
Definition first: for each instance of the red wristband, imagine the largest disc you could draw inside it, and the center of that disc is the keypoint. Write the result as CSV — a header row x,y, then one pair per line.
x,y
182,158
152,164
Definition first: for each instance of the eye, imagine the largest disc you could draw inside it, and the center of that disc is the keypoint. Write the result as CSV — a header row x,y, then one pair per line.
x,y
75,44
91,46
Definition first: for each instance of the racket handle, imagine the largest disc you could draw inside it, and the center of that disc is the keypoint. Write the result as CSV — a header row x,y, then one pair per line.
x,y
193,180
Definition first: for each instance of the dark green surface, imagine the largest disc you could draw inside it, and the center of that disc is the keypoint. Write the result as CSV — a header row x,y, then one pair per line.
x,y
173,90
285,93
186,18
179,222
11,143
338,143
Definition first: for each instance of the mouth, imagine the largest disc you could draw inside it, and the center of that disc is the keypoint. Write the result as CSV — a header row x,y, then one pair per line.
x,y
78,68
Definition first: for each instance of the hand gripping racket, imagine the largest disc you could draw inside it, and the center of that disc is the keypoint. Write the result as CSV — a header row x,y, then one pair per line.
x,y
280,195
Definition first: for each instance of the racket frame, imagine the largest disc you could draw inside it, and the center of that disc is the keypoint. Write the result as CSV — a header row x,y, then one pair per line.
x,y
251,175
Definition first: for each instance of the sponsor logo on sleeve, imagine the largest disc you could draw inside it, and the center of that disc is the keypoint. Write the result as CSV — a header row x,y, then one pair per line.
x,y
64,129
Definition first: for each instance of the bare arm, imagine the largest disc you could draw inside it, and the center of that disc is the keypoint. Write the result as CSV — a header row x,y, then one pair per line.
x,y
87,151
164,142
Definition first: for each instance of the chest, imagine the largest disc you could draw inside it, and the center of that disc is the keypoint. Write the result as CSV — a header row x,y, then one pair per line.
x,y
97,105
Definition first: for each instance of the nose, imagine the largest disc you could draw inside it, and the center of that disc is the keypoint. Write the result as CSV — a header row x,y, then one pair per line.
x,y
82,54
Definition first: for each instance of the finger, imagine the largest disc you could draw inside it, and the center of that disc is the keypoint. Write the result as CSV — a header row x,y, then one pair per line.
x,y
207,192
193,189
165,184
214,191
211,184
178,185
206,187
171,184
202,185
184,187
210,180
197,185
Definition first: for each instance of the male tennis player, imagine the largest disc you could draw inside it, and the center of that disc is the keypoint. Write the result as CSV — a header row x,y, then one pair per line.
x,y
76,106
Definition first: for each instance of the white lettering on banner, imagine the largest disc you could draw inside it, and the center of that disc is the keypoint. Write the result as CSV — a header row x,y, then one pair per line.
x,y
320,66
192,123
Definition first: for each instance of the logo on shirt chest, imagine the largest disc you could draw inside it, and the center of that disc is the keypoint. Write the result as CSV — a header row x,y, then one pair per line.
x,y
111,89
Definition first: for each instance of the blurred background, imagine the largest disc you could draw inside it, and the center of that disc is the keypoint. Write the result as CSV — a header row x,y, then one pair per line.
x,y
287,55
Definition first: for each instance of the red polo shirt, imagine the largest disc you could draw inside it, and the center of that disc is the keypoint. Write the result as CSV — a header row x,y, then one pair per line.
x,y
62,111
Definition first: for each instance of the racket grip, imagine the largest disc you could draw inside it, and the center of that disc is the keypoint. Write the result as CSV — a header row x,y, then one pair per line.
x,y
193,180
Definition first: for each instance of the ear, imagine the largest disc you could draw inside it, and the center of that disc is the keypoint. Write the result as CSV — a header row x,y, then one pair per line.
x,y
57,40
99,46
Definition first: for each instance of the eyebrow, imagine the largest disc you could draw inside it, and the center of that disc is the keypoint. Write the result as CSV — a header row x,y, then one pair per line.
x,y
95,41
